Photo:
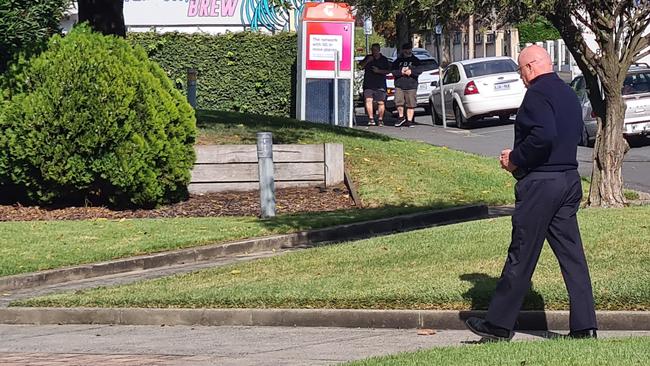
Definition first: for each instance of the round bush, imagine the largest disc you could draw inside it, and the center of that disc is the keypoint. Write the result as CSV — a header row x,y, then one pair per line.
x,y
93,118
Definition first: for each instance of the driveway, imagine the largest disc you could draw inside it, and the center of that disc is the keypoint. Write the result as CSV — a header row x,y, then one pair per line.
x,y
489,137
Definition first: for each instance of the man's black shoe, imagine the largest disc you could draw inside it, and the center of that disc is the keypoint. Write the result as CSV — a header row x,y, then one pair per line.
x,y
400,122
586,333
488,331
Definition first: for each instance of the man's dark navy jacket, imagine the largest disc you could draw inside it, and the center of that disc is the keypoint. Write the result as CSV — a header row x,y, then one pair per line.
x,y
548,127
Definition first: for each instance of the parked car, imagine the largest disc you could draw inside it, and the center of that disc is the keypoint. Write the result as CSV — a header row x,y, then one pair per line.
x,y
478,88
636,94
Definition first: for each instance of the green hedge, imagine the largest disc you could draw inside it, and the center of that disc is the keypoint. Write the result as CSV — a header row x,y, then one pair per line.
x,y
93,119
242,72
537,31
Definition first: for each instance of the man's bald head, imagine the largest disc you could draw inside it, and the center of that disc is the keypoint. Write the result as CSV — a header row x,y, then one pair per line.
x,y
533,62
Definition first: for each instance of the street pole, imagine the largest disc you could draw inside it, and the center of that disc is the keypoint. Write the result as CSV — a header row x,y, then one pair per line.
x,y
265,168
191,87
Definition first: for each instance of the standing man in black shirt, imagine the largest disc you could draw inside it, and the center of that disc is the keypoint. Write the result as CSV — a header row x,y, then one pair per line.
x,y
547,195
406,71
376,67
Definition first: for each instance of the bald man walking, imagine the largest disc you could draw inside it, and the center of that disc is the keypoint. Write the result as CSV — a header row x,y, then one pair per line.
x,y
547,195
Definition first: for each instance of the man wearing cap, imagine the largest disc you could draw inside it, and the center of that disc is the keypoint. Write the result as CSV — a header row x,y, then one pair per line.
x,y
406,71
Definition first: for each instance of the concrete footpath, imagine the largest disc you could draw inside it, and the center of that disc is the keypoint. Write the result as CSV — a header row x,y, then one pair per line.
x,y
199,346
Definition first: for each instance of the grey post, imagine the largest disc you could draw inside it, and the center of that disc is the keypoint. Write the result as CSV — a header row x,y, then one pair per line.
x,y
265,166
191,87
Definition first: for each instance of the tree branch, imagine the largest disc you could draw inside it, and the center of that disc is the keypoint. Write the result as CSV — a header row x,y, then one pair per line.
x,y
586,59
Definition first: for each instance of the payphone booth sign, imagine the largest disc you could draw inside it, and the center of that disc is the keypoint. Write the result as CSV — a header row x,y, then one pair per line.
x,y
323,41
328,30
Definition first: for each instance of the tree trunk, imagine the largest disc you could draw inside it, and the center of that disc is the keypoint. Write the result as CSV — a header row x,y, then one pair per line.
x,y
607,174
403,30
104,16
446,49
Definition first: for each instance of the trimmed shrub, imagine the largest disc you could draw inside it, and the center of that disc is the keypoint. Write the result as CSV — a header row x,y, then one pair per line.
x,y
96,119
241,72
25,26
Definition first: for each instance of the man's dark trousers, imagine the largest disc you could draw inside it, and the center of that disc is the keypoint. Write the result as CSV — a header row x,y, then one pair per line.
x,y
545,208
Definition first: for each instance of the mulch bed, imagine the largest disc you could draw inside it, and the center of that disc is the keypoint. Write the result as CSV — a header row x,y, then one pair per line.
x,y
288,200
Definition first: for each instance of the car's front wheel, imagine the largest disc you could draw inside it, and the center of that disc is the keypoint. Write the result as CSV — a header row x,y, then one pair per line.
x,y
584,139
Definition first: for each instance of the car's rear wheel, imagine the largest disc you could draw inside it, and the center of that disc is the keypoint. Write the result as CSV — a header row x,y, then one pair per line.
x,y
504,118
435,119
461,121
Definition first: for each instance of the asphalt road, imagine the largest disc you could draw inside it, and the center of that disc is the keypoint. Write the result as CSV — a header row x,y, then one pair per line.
x,y
489,137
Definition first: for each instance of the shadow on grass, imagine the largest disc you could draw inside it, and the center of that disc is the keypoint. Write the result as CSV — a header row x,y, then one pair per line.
x,y
481,292
285,131
315,220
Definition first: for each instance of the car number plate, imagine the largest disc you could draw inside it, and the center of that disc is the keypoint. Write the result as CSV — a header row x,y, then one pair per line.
x,y
498,87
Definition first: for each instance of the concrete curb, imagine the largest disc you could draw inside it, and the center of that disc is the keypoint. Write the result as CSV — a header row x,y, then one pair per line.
x,y
403,319
327,235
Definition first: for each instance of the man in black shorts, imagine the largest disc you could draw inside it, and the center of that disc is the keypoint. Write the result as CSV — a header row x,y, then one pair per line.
x,y
406,71
376,67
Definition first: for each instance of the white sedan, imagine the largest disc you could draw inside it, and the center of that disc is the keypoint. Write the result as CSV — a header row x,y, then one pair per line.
x,y
478,88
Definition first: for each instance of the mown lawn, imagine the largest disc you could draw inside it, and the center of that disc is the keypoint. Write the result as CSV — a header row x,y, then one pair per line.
x,y
392,176
624,351
450,267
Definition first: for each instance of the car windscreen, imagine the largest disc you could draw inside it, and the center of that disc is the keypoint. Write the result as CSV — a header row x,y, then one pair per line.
x,y
489,67
636,83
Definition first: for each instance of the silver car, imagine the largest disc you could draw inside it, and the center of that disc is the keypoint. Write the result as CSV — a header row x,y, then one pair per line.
x,y
636,94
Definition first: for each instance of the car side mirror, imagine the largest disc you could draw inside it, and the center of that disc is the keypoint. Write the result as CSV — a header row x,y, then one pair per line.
x,y
435,84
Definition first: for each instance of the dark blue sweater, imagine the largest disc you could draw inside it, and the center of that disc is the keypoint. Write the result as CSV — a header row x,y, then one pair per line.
x,y
548,127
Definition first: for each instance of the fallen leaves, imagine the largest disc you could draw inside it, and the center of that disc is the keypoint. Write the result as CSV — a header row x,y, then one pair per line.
x,y
426,332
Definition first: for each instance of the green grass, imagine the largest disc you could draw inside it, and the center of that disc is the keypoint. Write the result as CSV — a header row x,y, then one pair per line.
x,y
450,267
624,351
29,246
386,171
392,176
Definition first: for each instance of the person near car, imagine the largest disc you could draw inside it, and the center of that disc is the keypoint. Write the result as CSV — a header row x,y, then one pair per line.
x,y
406,70
548,128
376,66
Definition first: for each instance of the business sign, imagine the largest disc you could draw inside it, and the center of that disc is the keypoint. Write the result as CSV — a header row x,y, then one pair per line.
x,y
182,12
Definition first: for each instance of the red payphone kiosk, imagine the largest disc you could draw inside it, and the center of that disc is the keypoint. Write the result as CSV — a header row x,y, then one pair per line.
x,y
325,64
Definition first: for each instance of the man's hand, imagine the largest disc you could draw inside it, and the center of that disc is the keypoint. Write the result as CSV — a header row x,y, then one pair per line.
x,y
504,159
406,71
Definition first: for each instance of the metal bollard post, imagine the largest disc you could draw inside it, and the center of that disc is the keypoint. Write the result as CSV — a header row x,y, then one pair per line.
x,y
265,166
191,87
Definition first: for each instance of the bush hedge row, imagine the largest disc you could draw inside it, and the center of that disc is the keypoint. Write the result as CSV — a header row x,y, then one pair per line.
x,y
241,72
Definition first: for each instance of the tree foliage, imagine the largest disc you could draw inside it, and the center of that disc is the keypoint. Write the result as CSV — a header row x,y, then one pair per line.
x,y
25,26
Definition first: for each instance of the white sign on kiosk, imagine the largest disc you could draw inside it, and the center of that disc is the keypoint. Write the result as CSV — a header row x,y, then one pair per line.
x,y
324,47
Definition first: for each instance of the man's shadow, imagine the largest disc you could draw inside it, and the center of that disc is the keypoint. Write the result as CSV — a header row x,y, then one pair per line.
x,y
534,319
